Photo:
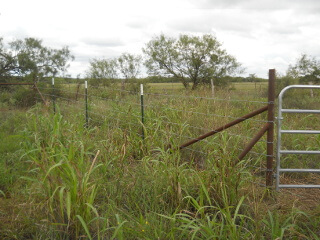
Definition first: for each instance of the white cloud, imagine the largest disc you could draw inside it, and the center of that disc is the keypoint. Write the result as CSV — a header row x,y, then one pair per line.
x,y
261,34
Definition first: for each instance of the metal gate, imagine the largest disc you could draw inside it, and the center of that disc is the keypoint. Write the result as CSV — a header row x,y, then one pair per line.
x,y
281,152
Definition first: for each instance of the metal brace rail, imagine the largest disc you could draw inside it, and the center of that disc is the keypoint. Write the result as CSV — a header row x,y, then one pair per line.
x,y
280,132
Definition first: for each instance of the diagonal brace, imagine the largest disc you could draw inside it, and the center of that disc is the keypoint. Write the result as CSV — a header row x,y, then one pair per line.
x,y
220,129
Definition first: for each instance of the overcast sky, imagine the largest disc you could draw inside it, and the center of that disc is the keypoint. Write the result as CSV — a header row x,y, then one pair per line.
x,y
261,34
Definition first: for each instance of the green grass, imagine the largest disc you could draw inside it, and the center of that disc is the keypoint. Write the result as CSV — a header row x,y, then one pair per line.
x,y
62,181
248,86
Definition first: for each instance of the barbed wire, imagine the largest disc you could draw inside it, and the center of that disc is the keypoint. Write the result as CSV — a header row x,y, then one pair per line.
x,y
169,122
103,122
108,117
180,96
137,116
208,114
109,89
136,133
259,184
188,125
170,108
208,98
189,137
201,128
246,165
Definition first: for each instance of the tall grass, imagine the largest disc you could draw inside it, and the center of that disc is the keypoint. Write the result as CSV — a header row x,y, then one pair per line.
x,y
105,182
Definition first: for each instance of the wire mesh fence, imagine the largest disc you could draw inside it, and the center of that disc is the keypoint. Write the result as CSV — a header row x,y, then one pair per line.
x,y
167,119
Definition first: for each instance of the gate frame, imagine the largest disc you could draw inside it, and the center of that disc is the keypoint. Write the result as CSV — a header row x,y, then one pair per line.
x,y
280,132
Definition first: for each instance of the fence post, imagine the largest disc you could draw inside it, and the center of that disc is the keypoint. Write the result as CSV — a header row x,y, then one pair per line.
x,y
53,97
86,102
270,133
142,110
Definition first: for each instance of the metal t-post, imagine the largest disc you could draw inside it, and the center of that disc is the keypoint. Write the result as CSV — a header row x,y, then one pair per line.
x,y
270,132
53,97
142,110
86,103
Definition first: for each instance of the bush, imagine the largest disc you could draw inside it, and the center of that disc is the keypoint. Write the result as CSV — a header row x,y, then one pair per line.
x,y
20,97
282,82
24,97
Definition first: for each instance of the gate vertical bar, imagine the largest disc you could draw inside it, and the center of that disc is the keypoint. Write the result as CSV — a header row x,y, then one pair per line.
x,y
270,133
142,110
53,97
86,100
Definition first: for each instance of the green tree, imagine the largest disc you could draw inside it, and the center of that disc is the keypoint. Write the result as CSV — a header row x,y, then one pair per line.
x,y
103,70
190,59
306,69
31,59
130,65
252,77
8,63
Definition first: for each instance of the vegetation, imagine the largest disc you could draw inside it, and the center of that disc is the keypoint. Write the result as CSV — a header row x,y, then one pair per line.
x,y
28,58
126,68
198,59
103,69
60,180
306,69
130,65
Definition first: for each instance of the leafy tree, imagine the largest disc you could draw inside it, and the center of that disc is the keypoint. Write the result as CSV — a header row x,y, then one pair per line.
x,y
130,68
189,59
306,69
8,63
103,69
29,58
130,65
252,77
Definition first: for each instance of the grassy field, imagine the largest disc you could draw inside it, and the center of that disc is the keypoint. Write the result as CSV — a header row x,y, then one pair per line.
x,y
60,180
236,86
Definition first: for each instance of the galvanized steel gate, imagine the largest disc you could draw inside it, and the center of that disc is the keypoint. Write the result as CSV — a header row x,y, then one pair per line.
x,y
280,132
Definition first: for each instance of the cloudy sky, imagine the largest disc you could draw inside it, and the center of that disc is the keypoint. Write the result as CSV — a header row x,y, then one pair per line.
x,y
261,34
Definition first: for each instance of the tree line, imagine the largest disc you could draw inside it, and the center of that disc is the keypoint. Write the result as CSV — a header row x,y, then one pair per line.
x,y
191,60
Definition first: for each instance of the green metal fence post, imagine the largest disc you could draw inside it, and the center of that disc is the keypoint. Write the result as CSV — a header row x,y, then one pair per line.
x,y
53,97
142,109
86,102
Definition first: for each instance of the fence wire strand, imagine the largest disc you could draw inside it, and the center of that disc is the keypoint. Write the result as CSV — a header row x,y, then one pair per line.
x,y
136,114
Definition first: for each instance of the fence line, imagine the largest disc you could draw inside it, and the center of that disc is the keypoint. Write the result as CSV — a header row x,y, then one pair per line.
x,y
207,114
181,96
174,109
179,124
137,116
191,126
207,98
135,113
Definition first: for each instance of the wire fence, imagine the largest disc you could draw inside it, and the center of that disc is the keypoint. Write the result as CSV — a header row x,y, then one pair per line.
x,y
168,120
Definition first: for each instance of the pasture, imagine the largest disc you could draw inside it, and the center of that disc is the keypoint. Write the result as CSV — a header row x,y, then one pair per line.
x,y
246,86
62,180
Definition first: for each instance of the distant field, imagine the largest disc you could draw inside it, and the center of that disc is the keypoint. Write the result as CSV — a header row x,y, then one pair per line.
x,y
166,85
249,85
176,86
237,86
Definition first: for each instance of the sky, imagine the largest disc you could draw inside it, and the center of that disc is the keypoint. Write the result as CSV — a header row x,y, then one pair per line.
x,y
261,34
